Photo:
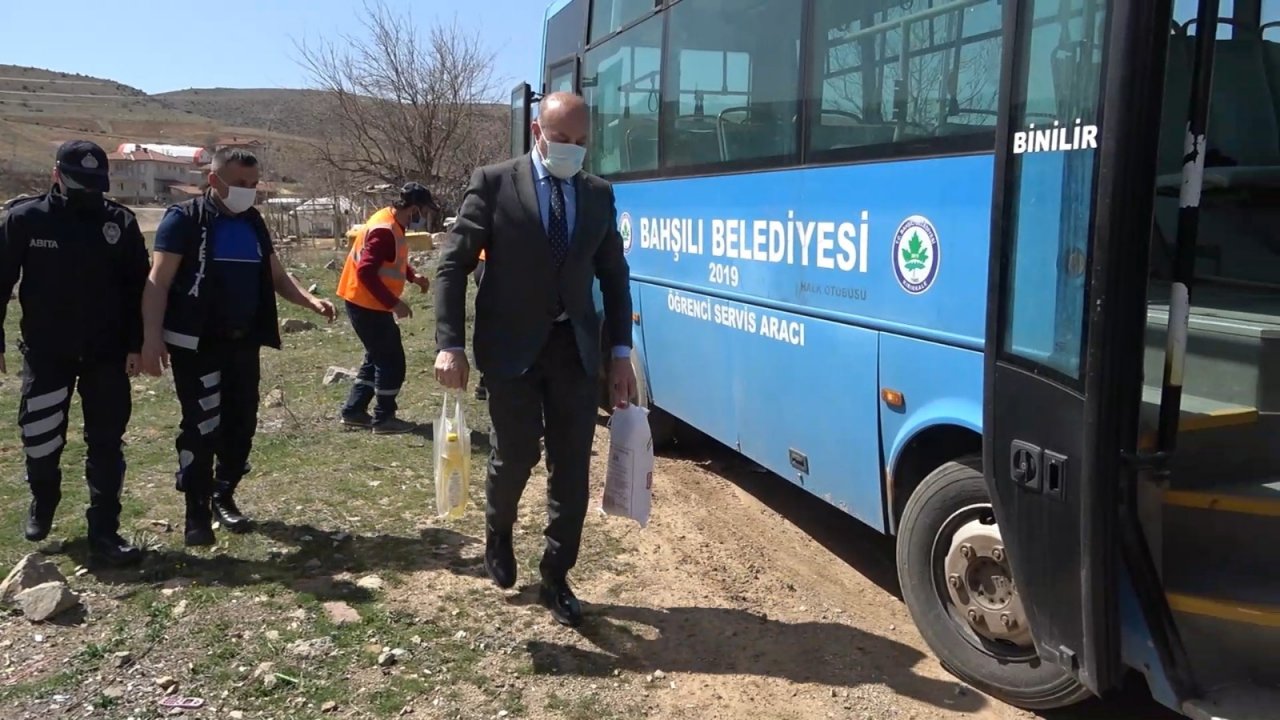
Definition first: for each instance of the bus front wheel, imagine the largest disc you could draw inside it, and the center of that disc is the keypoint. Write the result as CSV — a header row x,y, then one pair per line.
x,y
663,426
959,588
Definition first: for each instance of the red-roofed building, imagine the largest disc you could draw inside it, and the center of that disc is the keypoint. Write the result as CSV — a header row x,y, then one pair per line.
x,y
141,176
242,143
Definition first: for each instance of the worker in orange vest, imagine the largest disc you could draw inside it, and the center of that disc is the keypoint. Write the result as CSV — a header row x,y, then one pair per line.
x,y
372,281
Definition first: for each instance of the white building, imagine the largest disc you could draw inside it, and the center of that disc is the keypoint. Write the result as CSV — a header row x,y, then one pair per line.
x,y
142,176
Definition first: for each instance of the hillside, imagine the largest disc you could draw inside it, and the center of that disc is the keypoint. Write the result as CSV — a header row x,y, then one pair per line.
x,y
300,113
39,109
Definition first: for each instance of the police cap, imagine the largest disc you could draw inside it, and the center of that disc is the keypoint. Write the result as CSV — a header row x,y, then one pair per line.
x,y
83,163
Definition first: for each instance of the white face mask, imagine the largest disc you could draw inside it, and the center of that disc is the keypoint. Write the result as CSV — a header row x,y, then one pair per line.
x,y
239,199
564,160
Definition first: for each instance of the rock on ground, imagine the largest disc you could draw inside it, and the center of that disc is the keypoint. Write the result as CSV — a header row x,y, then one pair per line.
x,y
370,582
33,570
335,375
316,648
46,601
294,325
340,613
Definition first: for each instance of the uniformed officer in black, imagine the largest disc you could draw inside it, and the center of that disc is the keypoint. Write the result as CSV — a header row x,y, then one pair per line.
x,y
83,263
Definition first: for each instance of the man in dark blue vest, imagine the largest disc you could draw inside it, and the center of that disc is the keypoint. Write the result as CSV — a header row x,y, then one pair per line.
x,y
208,309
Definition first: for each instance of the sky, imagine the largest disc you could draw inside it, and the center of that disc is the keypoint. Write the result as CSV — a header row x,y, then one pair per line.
x,y
162,45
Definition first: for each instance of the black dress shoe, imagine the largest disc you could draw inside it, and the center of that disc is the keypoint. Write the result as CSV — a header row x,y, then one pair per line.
x,y
39,520
563,604
228,514
500,561
113,550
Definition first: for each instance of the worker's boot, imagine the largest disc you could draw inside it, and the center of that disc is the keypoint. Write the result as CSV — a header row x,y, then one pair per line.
x,y
199,527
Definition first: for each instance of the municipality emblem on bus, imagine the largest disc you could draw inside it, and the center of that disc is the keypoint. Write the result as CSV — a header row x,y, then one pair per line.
x,y
915,254
624,229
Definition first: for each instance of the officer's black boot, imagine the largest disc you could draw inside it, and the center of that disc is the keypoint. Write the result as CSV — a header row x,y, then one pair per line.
x,y
106,547
226,512
199,528
111,549
40,517
225,509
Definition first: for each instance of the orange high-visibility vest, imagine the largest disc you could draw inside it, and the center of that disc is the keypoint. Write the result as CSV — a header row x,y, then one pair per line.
x,y
392,273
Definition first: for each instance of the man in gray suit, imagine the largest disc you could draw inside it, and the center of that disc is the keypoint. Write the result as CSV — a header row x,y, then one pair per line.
x,y
548,229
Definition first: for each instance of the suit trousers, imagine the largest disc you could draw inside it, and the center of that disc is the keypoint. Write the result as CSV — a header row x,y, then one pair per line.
x,y
382,372
558,390
107,402
217,388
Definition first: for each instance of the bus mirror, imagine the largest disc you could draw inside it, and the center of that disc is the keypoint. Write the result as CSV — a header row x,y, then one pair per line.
x,y
522,99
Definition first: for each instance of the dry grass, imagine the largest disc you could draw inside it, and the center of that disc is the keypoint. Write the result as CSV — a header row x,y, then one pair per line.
x,y
334,507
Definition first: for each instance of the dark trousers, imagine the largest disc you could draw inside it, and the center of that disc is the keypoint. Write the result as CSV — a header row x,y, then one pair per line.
x,y
382,372
107,403
558,390
217,387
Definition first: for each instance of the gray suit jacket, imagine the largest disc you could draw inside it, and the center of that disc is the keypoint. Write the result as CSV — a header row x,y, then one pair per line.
x,y
516,301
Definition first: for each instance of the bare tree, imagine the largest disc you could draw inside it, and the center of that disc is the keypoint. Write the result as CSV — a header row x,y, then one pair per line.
x,y
405,107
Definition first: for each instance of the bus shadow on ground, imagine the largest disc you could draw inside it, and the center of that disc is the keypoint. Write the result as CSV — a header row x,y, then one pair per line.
x,y
722,641
871,554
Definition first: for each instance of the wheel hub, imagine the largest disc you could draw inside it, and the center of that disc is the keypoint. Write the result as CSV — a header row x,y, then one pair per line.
x,y
981,585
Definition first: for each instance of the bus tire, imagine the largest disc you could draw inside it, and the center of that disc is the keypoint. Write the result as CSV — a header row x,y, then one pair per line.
x,y
663,426
1011,673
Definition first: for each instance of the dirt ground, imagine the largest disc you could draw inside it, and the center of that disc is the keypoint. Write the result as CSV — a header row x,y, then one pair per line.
x,y
746,597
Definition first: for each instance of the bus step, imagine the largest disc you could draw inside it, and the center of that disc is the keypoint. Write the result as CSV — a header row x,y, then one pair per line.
x,y
1257,499
1229,641
1221,542
1198,415
1222,577
1235,702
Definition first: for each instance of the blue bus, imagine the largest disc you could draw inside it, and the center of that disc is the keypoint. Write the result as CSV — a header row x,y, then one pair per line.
x,y
1000,278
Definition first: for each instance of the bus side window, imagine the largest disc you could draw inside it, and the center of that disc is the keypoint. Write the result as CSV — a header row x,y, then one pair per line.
x,y
867,95
732,93
621,81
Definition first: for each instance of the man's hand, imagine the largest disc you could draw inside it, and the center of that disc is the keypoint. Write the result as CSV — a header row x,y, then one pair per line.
x,y
452,369
133,364
622,382
402,310
423,282
324,308
155,357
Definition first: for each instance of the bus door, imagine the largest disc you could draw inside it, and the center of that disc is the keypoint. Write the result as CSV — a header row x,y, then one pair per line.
x,y
1066,309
